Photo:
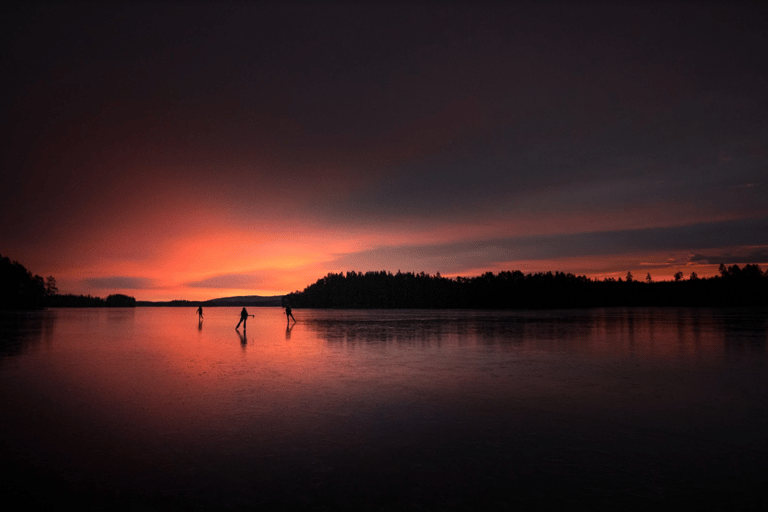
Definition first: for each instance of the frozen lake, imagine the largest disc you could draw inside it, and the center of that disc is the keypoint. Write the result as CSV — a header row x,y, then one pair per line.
x,y
146,409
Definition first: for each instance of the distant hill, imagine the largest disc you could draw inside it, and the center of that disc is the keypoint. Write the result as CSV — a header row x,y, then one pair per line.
x,y
247,300
242,300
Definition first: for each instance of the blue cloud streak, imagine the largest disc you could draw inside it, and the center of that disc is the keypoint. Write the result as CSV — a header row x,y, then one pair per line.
x,y
716,237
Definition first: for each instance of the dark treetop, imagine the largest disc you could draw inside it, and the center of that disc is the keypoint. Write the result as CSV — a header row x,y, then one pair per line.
x,y
19,289
505,290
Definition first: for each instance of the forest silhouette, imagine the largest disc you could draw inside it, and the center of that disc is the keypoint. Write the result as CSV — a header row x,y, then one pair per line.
x,y
734,286
513,289
20,289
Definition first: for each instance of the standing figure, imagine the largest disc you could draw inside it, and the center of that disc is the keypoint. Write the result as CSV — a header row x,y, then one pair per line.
x,y
289,314
200,313
243,319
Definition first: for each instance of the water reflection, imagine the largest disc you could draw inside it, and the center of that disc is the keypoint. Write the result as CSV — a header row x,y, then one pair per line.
x,y
411,409
20,330
243,337
646,332
121,316
744,329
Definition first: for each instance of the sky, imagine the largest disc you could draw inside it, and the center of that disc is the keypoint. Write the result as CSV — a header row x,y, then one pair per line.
x,y
200,150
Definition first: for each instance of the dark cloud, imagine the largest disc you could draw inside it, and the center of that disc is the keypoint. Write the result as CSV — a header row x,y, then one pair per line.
x,y
456,106
741,256
132,283
344,116
670,160
455,257
229,281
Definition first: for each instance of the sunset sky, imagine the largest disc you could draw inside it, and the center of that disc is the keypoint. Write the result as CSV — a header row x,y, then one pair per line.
x,y
201,150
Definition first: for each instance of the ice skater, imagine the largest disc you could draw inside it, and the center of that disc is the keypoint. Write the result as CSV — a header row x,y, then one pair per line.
x,y
289,314
200,313
243,319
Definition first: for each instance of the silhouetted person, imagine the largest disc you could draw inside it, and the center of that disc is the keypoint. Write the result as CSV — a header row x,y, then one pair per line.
x,y
289,314
200,313
243,319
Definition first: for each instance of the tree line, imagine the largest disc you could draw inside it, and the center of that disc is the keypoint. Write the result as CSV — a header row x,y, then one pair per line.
x,y
20,289
513,289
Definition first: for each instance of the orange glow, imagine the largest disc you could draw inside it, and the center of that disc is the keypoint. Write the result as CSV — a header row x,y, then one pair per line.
x,y
457,143
200,246
272,263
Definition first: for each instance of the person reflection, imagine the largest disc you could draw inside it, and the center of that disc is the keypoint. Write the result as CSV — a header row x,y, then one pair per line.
x,y
288,329
243,338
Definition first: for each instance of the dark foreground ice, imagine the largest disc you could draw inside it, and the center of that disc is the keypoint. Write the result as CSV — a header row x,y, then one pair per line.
x,y
145,409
